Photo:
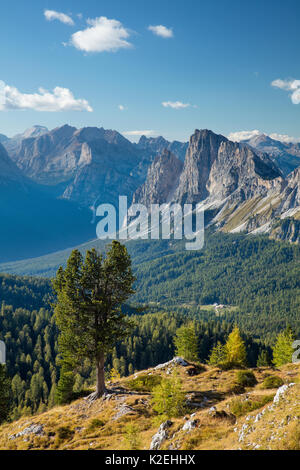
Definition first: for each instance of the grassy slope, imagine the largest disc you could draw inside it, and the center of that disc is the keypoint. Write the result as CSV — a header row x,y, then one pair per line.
x,y
94,426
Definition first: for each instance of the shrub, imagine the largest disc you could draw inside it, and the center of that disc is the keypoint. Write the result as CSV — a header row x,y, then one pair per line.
x,y
272,381
246,378
144,383
95,423
240,407
64,433
132,438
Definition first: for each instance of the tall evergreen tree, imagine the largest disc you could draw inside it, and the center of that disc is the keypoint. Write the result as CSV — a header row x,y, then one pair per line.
x,y
283,349
186,342
235,349
88,313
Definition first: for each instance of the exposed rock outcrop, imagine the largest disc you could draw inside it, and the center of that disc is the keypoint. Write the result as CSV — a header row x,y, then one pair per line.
x,y
162,434
162,180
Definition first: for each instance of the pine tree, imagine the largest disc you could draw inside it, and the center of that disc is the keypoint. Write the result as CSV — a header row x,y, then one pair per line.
x,y
283,349
5,394
186,342
235,349
90,294
218,355
263,359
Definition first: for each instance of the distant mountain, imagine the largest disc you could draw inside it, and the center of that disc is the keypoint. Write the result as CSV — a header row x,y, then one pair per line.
x,y
286,155
13,144
33,221
156,145
85,165
88,165
215,169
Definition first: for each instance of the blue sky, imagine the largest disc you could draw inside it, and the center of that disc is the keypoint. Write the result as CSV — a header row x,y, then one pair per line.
x,y
219,62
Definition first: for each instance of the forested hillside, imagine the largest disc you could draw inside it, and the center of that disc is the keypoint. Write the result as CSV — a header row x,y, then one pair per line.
x,y
257,276
24,292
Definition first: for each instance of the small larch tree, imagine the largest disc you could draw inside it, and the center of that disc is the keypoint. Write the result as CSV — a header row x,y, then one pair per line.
x,y
168,398
283,349
90,293
235,349
186,342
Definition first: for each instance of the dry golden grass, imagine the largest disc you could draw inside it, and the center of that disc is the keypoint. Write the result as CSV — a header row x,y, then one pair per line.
x,y
83,425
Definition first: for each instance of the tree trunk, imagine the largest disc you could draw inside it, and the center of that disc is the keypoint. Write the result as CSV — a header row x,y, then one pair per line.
x,y
100,390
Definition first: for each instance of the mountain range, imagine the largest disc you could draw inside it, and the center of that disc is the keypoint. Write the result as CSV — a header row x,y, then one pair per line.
x,y
86,165
51,180
285,154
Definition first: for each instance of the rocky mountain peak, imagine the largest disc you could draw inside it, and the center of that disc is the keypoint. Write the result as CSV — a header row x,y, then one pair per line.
x,y
156,145
34,131
201,154
145,142
64,131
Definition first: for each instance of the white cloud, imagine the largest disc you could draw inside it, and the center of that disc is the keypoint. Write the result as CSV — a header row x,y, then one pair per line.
x,y
51,15
246,135
147,133
289,85
121,107
175,104
61,99
285,138
243,135
161,31
101,35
